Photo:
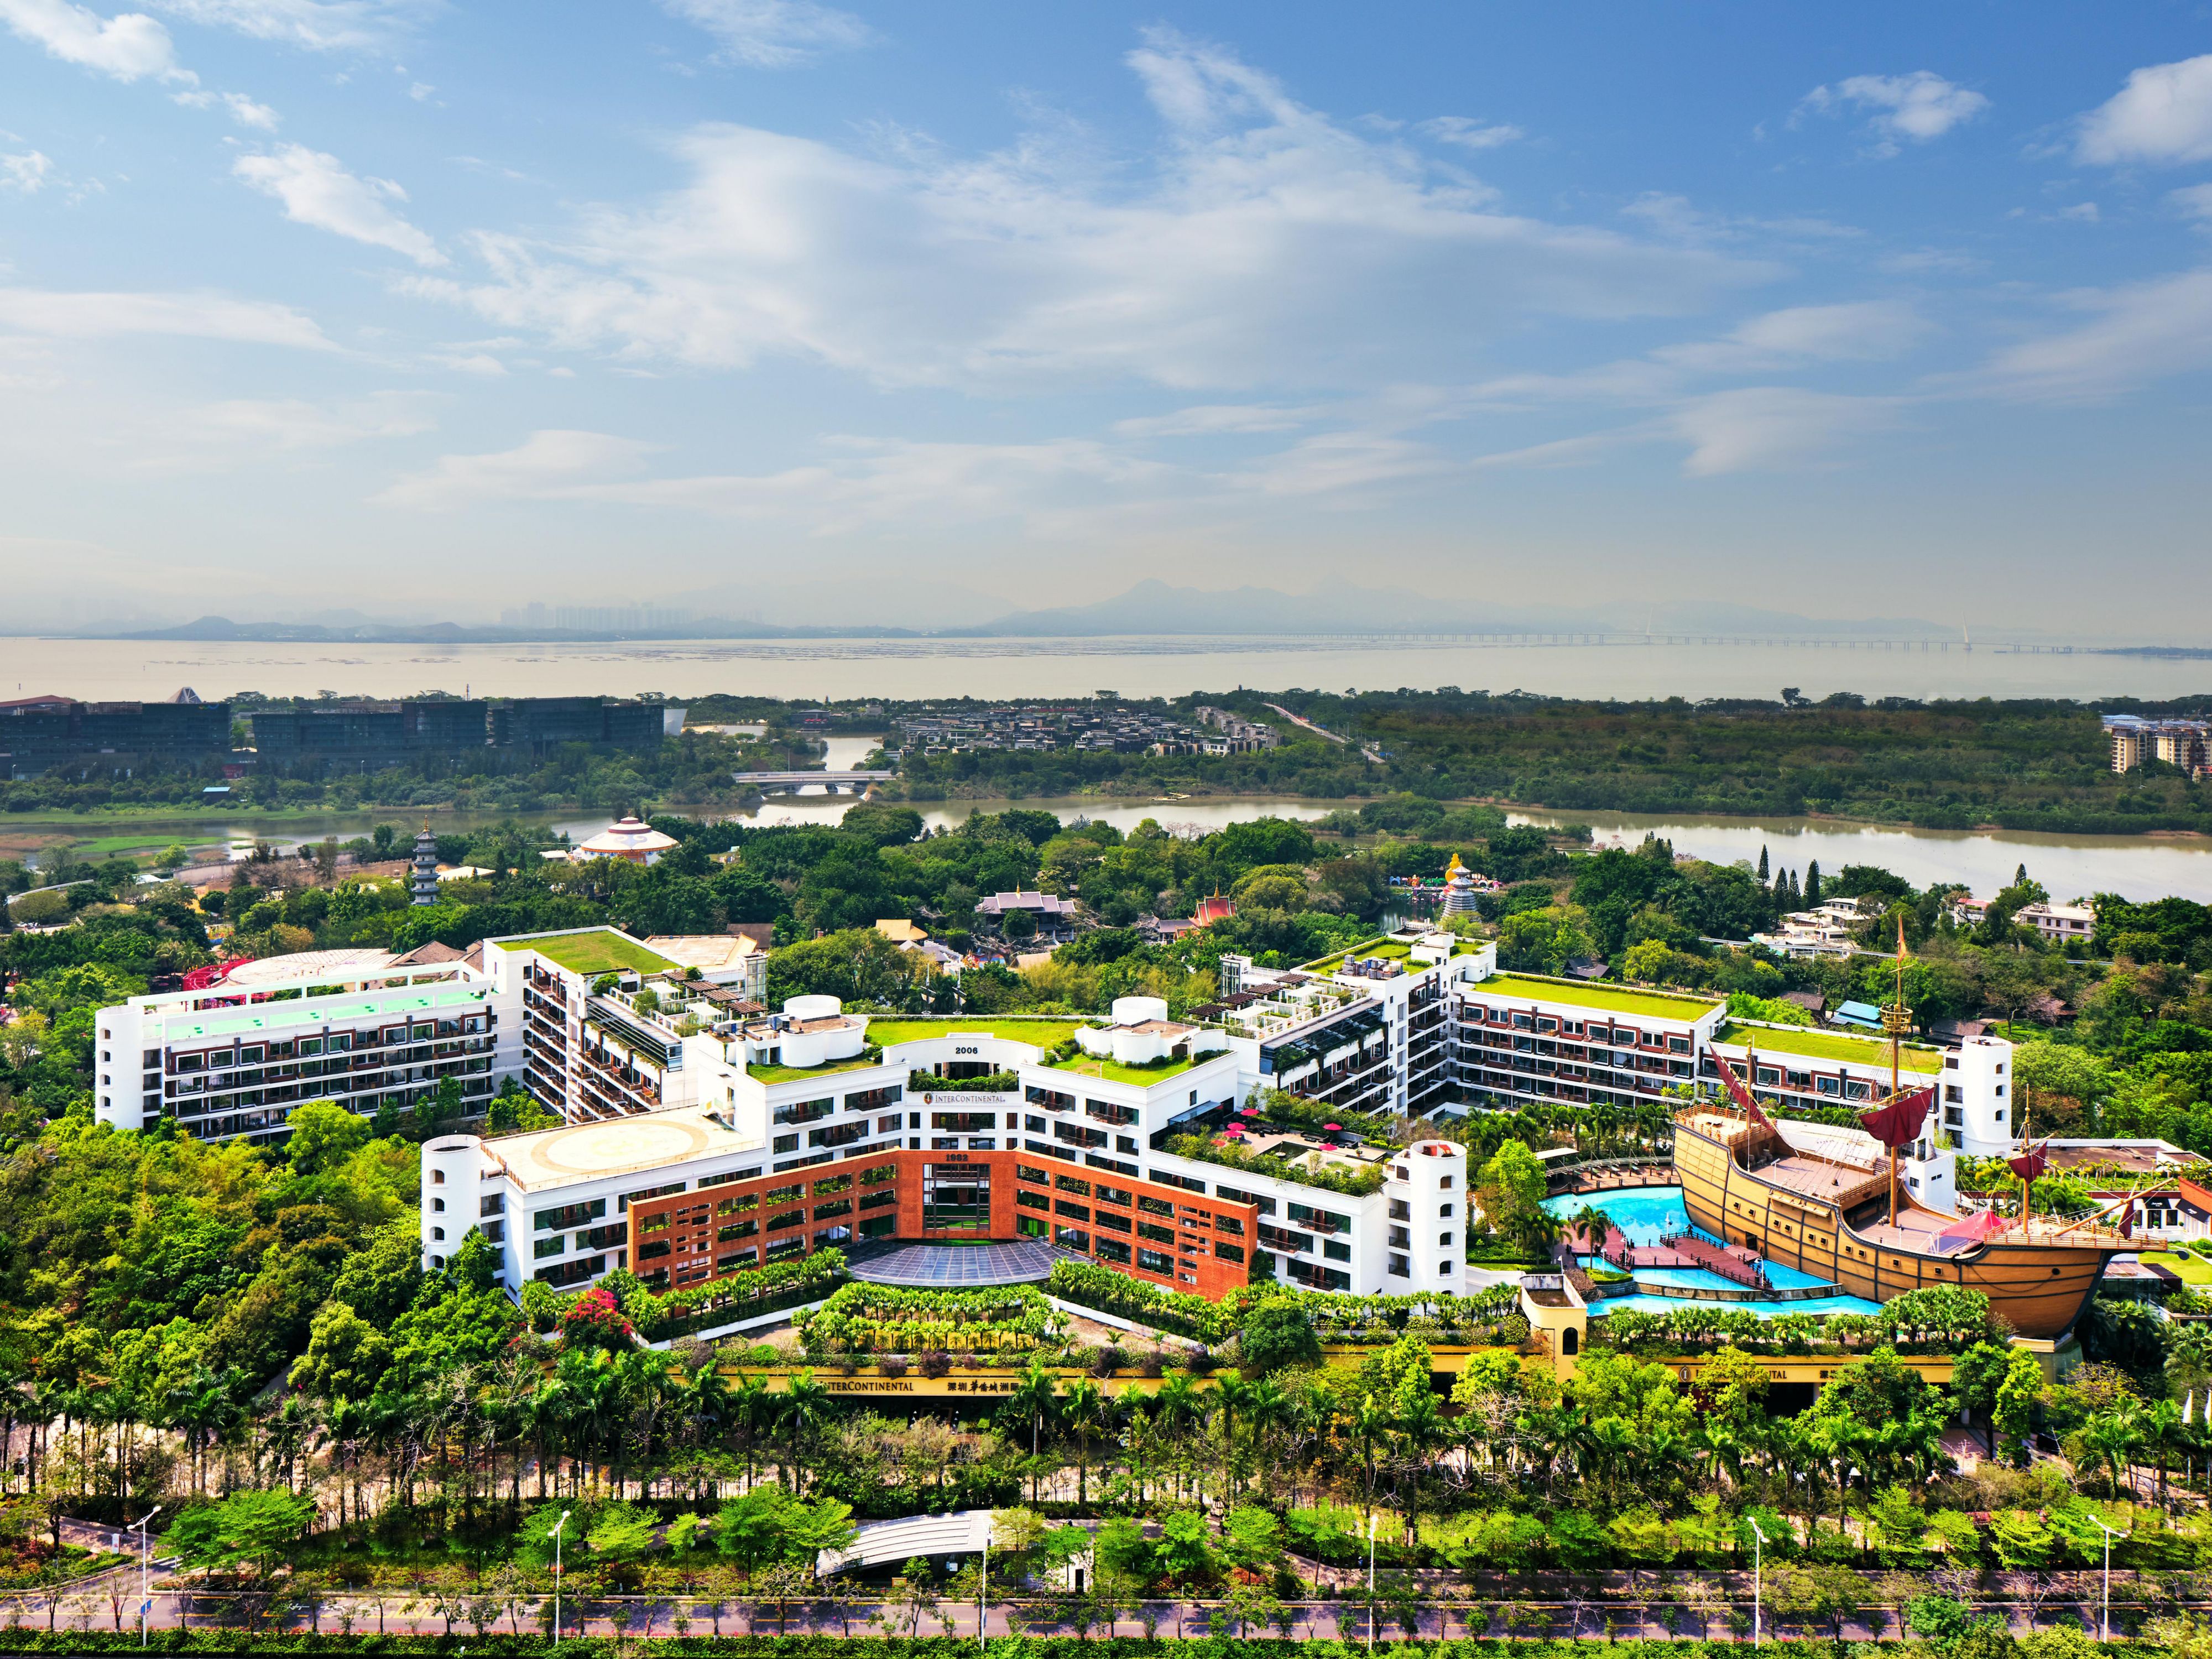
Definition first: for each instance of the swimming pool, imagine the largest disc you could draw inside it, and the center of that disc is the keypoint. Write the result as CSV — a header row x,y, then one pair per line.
x,y
1644,1215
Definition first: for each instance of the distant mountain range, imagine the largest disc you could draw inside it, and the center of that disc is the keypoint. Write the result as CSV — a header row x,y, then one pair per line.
x,y
1153,607
1150,608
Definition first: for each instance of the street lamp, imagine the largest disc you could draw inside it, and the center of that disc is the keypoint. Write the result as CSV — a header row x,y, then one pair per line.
x,y
1373,1521
983,1597
556,1536
145,1568
2104,1610
1757,1559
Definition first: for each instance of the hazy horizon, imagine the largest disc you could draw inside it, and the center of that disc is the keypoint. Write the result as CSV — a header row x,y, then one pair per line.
x,y
878,313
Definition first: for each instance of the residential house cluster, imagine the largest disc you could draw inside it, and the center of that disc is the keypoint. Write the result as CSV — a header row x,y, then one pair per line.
x,y
1092,727
1233,733
2182,743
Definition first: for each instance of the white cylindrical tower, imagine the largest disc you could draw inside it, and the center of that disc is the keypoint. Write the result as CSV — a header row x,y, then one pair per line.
x,y
451,1172
1977,1086
1430,1177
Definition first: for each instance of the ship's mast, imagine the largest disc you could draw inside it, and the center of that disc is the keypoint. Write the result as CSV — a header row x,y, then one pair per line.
x,y
1895,1018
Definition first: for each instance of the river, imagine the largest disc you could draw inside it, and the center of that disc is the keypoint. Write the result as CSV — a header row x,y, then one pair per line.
x,y
2136,867
808,670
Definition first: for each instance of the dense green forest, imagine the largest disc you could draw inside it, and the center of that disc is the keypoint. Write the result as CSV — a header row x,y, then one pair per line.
x,y
2037,765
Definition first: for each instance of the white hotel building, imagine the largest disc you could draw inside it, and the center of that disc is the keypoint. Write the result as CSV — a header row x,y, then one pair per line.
x,y
841,1128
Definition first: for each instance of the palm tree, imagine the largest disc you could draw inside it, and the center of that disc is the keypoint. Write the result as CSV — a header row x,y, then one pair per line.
x,y
1034,1398
753,1407
1421,1430
1595,1225
1268,1409
1370,1424
2110,1438
1083,1409
805,1410
1232,1396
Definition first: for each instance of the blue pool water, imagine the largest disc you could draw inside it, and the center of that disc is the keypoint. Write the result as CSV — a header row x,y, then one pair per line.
x,y
1644,1214
1647,1214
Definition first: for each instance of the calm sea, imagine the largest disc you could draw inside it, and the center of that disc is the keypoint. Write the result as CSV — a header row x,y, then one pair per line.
x,y
907,669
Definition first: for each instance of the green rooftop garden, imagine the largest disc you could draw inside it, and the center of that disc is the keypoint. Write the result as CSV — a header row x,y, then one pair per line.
x,y
598,951
871,1055
890,1031
1831,1045
1614,999
1113,1071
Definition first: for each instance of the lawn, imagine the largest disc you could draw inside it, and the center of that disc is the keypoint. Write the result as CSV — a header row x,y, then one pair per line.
x,y
761,1073
1832,1045
1043,1033
2189,1269
1113,1071
598,951
1650,1005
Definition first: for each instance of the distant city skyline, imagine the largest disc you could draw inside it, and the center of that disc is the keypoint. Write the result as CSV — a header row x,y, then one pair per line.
x,y
778,309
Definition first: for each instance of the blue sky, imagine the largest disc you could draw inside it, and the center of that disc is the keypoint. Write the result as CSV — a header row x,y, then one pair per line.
x,y
904,313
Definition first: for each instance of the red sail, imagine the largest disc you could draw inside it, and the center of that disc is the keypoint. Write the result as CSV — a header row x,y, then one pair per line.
x,y
1898,1124
2030,1163
1742,1095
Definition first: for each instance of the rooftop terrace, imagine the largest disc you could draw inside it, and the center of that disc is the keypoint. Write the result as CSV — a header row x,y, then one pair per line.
x,y
1042,1033
1913,1057
597,950
187,1025
1613,998
589,1151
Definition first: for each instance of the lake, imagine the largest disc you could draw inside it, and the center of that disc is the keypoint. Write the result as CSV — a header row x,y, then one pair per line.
x,y
811,670
2139,868
2069,866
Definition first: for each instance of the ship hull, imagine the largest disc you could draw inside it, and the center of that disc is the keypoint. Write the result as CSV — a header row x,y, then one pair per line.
x,y
2039,1289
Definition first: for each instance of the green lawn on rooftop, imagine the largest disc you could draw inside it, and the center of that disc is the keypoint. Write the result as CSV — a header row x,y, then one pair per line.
x,y
598,951
761,1073
1113,1071
2191,1269
1616,999
1831,1045
1043,1033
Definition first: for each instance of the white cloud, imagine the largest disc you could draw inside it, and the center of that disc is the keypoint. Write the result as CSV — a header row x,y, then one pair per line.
x,y
294,425
317,25
1264,244
1773,427
2086,212
240,108
1471,134
1806,334
317,189
1915,107
129,46
94,316
2137,333
2193,201
2164,114
26,174
421,90
550,465
1209,420
772,34
864,483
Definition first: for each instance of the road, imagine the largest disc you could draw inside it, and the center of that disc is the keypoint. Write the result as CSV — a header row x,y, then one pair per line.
x,y
1374,755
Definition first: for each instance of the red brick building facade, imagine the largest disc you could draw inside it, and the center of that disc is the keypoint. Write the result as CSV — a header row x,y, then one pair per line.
x,y
1159,1233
